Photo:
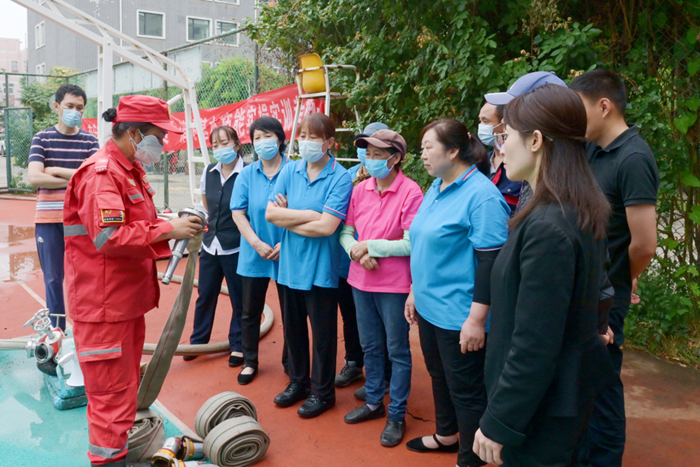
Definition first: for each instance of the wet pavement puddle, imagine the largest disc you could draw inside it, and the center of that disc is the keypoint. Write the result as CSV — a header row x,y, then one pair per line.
x,y
18,256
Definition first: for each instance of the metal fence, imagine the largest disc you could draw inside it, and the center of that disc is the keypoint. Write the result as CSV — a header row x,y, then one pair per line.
x,y
19,130
227,69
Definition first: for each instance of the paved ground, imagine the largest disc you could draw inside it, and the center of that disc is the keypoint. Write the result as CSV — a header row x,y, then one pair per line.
x,y
663,400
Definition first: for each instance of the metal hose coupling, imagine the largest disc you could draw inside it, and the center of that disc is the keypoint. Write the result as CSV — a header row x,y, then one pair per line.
x,y
191,450
168,453
181,245
178,449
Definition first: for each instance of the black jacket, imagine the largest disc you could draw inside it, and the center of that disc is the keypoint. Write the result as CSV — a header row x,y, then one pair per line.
x,y
544,354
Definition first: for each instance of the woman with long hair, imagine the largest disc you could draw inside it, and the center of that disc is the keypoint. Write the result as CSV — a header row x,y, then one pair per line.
x,y
545,360
460,226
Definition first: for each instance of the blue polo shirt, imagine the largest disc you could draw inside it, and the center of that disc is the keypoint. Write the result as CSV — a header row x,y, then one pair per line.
x,y
312,261
250,194
470,214
345,259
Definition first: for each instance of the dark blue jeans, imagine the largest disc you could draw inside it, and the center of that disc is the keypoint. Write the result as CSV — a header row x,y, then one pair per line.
x,y
212,270
383,328
51,249
603,443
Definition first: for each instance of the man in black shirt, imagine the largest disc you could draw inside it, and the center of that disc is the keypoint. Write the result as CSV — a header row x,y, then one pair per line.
x,y
626,171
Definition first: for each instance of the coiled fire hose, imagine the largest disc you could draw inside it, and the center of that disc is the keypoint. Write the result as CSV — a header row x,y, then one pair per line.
x,y
232,436
147,433
228,423
232,445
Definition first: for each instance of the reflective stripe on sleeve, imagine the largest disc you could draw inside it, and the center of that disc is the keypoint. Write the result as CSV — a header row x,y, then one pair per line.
x,y
74,230
103,236
100,351
136,196
107,453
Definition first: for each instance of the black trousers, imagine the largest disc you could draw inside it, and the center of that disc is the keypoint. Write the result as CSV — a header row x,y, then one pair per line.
x,y
353,348
320,306
254,293
458,387
603,444
550,441
212,270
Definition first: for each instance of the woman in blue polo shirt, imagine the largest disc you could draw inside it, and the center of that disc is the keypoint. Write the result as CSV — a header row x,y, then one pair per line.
x,y
260,245
310,201
455,237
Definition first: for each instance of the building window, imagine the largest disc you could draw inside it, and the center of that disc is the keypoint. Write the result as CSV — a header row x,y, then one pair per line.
x,y
198,28
12,88
40,35
233,2
15,66
41,69
223,27
151,24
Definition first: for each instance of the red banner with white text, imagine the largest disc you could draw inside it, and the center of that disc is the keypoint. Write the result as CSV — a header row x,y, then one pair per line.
x,y
279,103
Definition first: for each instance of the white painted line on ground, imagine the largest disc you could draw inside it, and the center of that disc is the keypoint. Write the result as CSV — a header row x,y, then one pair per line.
x,y
35,296
179,424
30,291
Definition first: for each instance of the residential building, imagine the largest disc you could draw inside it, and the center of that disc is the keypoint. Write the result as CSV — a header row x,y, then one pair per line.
x,y
159,24
13,59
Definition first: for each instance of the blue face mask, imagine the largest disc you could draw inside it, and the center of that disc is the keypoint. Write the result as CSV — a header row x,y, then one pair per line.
x,y
311,151
362,154
71,118
486,134
266,148
225,155
378,168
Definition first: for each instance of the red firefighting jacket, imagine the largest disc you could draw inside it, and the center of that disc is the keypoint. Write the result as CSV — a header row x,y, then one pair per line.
x,y
109,223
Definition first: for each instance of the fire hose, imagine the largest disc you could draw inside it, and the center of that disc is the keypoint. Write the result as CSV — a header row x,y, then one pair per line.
x,y
19,343
227,422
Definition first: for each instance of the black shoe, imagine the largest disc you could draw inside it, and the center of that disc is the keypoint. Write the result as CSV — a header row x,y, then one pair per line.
x,y
350,372
189,358
393,433
245,379
313,407
416,444
294,393
361,392
234,361
364,413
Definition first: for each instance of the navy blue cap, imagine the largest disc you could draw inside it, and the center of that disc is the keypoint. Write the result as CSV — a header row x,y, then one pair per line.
x,y
524,84
372,128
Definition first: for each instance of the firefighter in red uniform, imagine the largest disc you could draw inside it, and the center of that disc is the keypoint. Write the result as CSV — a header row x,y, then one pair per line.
x,y
113,239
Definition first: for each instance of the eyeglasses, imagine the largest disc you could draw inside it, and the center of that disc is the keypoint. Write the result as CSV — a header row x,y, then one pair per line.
x,y
502,137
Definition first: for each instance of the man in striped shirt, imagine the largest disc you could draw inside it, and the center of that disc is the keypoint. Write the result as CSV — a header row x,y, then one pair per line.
x,y
55,155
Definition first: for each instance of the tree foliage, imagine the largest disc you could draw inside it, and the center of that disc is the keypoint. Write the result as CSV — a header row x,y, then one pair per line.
x,y
231,80
422,60
38,95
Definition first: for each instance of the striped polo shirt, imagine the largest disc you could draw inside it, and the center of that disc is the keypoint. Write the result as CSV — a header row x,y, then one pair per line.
x,y
54,149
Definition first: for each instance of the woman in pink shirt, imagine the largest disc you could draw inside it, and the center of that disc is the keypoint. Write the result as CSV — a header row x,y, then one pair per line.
x,y
381,210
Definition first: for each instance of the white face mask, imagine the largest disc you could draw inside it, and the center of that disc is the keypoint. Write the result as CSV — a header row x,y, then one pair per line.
x,y
311,151
148,151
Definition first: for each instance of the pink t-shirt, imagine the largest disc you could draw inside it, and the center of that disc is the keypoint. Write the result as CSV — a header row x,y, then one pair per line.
x,y
383,217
